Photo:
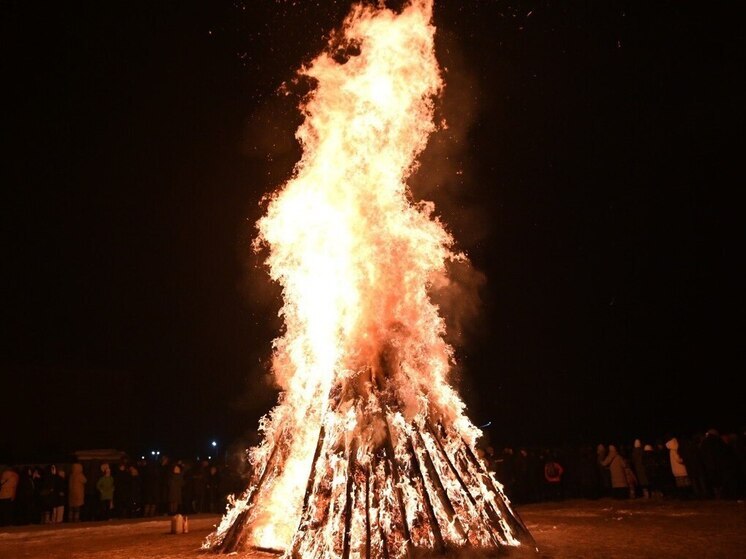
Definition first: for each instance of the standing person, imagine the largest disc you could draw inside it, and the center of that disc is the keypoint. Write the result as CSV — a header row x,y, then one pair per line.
x,y
629,474
638,466
151,488
60,497
588,473
8,489
618,476
164,474
536,481
187,489
199,486
604,475
714,458
507,467
105,488
37,476
492,462
175,486
678,469
92,502
213,489
134,508
520,491
553,471
76,492
122,481
46,493
25,495
689,450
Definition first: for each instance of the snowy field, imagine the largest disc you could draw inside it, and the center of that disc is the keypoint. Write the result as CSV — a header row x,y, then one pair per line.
x,y
657,529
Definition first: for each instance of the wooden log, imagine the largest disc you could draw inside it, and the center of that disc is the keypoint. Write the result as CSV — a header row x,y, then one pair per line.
x,y
445,501
309,489
492,523
367,512
236,535
439,543
511,517
350,494
392,469
377,504
448,461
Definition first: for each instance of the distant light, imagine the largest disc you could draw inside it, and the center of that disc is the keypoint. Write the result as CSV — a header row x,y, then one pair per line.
x,y
209,457
142,457
157,451
152,452
214,443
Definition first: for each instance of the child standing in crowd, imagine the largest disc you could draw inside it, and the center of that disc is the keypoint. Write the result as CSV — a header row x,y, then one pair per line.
x,y
105,487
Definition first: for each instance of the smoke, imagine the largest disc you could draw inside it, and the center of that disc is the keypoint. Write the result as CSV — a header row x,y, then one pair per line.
x,y
446,175
272,152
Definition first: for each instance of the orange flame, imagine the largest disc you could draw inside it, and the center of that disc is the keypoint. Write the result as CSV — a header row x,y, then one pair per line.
x,y
356,259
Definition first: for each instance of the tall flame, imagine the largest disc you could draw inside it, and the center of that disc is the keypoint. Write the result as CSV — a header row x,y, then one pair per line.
x,y
356,259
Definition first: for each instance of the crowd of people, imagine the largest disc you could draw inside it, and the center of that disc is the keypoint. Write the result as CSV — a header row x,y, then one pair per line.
x,y
98,490
705,466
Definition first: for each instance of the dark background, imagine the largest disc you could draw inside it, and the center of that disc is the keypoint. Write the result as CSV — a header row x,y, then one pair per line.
x,y
588,171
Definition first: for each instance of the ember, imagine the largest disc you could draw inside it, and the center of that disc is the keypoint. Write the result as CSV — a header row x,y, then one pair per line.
x,y
369,452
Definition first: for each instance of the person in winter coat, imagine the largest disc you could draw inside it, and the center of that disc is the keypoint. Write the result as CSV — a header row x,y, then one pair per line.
x,y
151,488
199,487
123,483
714,459
25,503
520,492
105,488
135,504
8,488
60,497
76,492
213,485
604,475
175,486
638,466
617,469
691,455
652,469
588,473
46,493
678,468
553,471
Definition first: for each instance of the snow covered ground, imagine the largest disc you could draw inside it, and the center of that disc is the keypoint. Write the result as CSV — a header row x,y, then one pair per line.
x,y
640,529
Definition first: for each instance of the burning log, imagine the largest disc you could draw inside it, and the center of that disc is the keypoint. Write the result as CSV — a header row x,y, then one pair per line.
x,y
434,477
369,453
236,535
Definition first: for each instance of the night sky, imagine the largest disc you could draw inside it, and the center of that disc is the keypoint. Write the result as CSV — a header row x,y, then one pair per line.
x,y
587,172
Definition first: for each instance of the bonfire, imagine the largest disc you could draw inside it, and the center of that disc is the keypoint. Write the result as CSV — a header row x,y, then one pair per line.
x,y
368,452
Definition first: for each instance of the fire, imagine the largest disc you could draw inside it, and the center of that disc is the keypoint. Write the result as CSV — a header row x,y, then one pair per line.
x,y
369,452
